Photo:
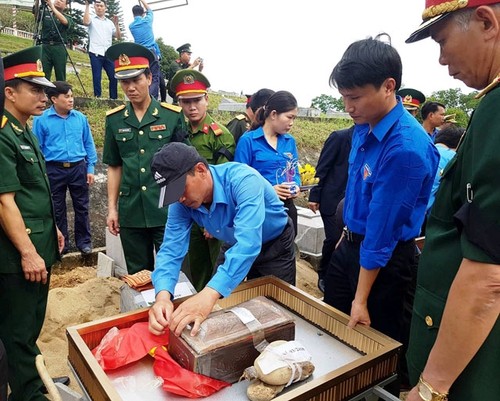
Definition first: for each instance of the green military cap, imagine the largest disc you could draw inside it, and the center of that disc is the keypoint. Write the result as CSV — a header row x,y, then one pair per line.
x,y
131,59
26,65
189,83
412,98
185,48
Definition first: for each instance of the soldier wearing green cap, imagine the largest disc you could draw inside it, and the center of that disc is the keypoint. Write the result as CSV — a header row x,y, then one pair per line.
x,y
29,239
182,63
216,144
412,99
454,349
134,132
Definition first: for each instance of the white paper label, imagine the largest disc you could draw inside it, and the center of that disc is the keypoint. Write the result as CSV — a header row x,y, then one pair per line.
x,y
283,355
243,314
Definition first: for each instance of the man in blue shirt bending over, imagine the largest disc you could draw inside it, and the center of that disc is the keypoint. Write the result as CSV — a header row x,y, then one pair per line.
x,y
67,144
392,165
235,204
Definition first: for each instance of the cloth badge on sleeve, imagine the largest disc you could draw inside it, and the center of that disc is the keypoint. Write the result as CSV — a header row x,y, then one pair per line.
x,y
367,172
160,127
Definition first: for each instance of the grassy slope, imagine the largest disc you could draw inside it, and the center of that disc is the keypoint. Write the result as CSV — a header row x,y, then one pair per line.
x,y
309,133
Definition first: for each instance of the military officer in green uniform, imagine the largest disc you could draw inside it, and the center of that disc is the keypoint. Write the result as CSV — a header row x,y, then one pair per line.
x,y
454,350
54,36
134,132
216,144
29,240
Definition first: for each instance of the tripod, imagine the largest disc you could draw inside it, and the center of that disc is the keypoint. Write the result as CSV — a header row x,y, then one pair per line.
x,y
41,12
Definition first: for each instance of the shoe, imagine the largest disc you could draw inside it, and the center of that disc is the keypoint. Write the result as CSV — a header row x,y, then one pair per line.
x,y
321,285
87,250
62,379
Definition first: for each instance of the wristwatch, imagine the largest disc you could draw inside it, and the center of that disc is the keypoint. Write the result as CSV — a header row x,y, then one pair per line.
x,y
427,393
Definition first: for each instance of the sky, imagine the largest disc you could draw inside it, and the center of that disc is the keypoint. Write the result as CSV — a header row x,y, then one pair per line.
x,y
293,44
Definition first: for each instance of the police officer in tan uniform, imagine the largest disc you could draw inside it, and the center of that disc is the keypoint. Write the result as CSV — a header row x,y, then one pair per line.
x,y
213,142
134,132
29,240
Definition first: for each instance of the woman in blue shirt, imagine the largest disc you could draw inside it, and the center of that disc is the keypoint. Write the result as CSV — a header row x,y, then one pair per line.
x,y
272,151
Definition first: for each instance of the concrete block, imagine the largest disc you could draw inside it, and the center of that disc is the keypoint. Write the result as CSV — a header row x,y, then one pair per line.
x,y
105,265
311,233
114,251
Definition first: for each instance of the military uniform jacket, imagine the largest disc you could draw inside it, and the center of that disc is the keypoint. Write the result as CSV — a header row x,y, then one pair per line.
x,y
132,144
468,193
239,125
23,172
213,141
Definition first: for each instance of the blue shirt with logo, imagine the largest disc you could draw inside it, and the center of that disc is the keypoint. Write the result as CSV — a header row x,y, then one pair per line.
x,y
276,165
391,172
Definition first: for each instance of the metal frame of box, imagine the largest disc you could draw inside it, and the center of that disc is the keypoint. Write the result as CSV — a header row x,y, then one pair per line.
x,y
379,360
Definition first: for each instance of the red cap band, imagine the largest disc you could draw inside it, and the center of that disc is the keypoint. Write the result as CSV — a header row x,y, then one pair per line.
x,y
28,69
134,63
192,87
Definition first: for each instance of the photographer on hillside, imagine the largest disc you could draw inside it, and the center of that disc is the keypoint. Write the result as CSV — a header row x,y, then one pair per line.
x,y
101,33
54,35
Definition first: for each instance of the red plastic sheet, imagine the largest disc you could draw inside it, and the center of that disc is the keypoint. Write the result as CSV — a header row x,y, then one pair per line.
x,y
121,347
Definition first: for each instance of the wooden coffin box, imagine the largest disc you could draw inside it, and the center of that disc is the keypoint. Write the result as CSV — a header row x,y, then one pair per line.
x,y
375,361
225,345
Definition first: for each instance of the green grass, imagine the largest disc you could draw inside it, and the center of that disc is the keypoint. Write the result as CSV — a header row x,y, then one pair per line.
x,y
310,133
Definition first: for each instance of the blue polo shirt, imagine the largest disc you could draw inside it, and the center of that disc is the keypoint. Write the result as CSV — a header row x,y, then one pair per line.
x,y
391,172
245,212
65,139
254,150
141,29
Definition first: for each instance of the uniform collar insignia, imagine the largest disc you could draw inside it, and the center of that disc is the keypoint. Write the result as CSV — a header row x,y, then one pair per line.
x,y
155,112
205,128
126,113
123,60
492,85
16,128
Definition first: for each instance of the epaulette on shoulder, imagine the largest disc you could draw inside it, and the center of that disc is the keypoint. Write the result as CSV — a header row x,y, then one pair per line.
x,y
216,129
115,110
241,117
172,107
4,121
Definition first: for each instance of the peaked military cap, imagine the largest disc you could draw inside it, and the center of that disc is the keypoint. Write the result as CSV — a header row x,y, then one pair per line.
x,y
189,84
185,48
130,59
412,98
437,10
26,65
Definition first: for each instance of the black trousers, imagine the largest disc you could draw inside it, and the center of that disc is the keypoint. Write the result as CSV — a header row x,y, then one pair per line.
x,y
387,296
276,258
3,373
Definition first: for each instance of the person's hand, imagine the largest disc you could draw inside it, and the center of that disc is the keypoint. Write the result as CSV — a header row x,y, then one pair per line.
x,y
90,179
60,240
359,314
314,206
413,395
115,19
206,234
193,310
33,267
112,222
283,191
160,313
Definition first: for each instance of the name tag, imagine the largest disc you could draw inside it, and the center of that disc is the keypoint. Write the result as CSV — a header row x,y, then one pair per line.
x,y
123,130
161,127
25,147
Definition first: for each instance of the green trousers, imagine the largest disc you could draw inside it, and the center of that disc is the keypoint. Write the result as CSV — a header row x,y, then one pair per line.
x,y
202,256
54,56
139,245
22,311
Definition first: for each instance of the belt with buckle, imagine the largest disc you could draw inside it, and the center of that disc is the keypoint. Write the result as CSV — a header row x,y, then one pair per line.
x,y
352,237
65,164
